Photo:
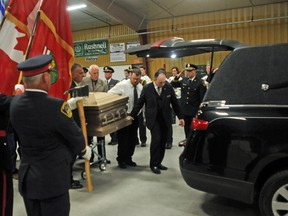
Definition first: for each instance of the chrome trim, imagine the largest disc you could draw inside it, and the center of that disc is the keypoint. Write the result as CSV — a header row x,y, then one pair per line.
x,y
222,104
244,118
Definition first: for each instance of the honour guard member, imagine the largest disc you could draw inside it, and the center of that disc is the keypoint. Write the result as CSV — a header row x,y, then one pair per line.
x,y
192,93
48,135
6,184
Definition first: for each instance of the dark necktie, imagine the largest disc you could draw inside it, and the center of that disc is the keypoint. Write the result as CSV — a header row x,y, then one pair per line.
x,y
159,90
94,83
135,96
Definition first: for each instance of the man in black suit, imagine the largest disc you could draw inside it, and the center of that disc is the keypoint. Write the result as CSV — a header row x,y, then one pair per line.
x,y
78,73
48,135
157,97
6,183
111,83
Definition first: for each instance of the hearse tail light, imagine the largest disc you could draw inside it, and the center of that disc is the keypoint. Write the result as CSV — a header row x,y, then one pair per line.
x,y
199,124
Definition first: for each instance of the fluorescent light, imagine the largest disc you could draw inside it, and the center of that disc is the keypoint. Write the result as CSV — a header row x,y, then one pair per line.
x,y
173,56
76,7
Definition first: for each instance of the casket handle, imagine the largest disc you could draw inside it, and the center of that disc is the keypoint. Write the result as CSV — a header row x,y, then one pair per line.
x,y
108,118
121,112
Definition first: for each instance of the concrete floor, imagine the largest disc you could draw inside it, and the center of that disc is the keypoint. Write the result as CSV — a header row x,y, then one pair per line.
x,y
139,192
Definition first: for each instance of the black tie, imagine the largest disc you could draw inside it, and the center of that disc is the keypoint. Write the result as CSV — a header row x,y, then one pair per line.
x,y
94,83
135,96
159,90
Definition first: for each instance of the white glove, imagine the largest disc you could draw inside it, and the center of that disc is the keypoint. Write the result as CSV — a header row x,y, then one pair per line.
x,y
88,153
19,89
72,102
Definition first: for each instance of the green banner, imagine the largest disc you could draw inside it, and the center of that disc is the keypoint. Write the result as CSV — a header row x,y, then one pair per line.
x,y
91,48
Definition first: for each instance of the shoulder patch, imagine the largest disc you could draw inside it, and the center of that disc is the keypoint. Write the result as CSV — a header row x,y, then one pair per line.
x,y
65,109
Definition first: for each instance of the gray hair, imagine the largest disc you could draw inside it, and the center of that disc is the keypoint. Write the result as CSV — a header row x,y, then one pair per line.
x,y
74,66
32,79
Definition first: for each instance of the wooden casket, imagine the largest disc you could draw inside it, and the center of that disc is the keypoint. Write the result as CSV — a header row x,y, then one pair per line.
x,y
105,113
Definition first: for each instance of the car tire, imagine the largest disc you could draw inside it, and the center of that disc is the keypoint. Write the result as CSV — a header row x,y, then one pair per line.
x,y
273,199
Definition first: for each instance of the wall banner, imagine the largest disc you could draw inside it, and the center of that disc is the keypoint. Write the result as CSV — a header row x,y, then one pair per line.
x,y
91,48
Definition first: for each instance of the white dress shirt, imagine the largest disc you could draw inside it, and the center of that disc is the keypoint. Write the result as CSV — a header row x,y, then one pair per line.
x,y
126,89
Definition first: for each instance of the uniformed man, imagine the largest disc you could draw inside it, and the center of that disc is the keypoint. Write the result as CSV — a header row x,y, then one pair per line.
x,y
48,135
6,184
192,93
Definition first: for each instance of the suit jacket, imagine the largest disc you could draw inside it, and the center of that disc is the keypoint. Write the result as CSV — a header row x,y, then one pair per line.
x,y
101,85
112,83
192,93
48,134
150,98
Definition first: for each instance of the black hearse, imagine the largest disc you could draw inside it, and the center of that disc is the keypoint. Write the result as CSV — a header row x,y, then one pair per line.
x,y
238,146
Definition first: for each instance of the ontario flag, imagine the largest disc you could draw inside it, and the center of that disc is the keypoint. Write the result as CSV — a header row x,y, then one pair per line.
x,y
50,34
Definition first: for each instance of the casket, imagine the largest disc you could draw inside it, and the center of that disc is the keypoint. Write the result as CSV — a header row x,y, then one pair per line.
x,y
105,113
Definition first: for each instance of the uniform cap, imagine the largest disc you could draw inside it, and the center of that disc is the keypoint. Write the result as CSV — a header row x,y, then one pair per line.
x,y
190,67
108,69
35,65
131,67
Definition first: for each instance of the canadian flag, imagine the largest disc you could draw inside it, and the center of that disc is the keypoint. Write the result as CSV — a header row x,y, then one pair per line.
x,y
50,23
14,37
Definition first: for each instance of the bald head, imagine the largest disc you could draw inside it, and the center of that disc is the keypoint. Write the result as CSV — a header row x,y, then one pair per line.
x,y
160,79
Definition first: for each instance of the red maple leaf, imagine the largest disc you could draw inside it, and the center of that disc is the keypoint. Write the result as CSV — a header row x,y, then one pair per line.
x,y
22,42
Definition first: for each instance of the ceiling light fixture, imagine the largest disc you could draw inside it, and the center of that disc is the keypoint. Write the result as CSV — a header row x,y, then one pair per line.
x,y
76,7
173,56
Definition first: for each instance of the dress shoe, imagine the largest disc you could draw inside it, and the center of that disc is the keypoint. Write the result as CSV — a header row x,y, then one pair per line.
x,y
143,145
113,143
155,170
131,163
168,145
75,181
15,174
122,165
182,143
76,185
161,167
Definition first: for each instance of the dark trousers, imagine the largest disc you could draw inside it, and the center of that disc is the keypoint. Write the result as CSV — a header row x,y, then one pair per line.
x,y
114,138
158,142
170,135
187,126
127,139
12,145
6,183
56,206
142,128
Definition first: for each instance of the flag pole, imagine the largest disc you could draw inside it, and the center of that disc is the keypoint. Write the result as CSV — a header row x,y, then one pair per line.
x,y
4,18
32,35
